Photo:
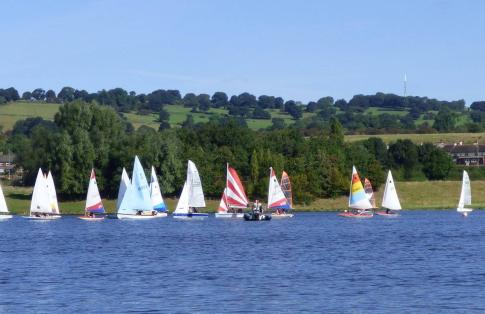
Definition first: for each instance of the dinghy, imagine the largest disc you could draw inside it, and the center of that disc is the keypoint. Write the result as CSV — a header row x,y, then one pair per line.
x,y
359,203
192,196
465,196
94,205
390,201
136,202
276,198
234,198
156,195
41,207
4,213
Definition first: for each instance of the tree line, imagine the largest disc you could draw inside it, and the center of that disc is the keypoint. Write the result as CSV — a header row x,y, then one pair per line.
x,y
85,135
439,116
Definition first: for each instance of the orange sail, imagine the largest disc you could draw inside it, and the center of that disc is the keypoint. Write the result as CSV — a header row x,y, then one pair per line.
x,y
286,187
369,192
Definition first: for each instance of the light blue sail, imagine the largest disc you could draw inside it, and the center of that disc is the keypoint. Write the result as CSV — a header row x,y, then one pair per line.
x,y
137,195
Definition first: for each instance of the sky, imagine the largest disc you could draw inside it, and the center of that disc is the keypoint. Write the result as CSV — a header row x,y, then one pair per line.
x,y
300,50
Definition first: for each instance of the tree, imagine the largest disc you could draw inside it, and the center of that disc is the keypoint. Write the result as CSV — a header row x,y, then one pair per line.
x,y
66,94
336,134
163,115
404,154
204,102
189,122
191,100
27,96
219,100
50,96
38,94
260,113
444,120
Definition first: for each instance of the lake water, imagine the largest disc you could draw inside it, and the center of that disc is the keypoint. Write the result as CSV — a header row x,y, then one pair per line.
x,y
422,261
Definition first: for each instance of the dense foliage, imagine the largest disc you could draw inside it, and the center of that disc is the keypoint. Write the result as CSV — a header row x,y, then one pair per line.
x,y
86,135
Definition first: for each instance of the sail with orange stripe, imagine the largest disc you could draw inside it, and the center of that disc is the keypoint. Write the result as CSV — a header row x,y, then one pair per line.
x,y
235,194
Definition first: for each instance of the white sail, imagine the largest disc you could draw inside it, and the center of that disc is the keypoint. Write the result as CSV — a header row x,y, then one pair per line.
x,y
196,194
466,194
156,194
93,199
390,199
137,195
276,197
183,203
3,204
51,188
40,197
124,184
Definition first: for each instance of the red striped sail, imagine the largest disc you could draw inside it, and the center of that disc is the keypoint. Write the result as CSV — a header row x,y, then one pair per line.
x,y
286,187
235,194
222,205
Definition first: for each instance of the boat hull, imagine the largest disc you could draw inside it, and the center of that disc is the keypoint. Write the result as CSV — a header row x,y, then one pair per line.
x,y
191,216
465,212
87,218
49,217
229,215
256,217
5,217
285,215
356,215
384,214
139,217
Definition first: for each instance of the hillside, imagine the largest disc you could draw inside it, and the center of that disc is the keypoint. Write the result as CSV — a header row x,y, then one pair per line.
x,y
14,111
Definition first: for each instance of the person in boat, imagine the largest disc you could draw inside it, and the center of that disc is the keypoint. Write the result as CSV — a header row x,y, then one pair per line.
x,y
388,211
139,212
91,215
154,212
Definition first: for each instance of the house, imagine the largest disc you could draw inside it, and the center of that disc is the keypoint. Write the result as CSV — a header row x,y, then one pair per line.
x,y
465,154
7,166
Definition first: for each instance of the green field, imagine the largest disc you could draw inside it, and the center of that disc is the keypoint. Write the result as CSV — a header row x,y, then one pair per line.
x,y
12,112
413,195
467,138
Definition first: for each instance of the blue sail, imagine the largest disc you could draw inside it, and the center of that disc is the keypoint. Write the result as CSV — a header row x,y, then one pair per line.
x,y
137,195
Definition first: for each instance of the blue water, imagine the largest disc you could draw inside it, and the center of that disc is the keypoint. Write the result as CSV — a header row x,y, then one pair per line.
x,y
420,262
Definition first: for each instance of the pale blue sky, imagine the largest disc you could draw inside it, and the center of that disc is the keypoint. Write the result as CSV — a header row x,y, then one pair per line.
x,y
299,50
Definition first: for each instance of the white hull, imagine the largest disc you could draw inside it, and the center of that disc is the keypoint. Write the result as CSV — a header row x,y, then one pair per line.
x,y
191,216
162,214
5,217
139,217
281,215
229,215
91,218
48,217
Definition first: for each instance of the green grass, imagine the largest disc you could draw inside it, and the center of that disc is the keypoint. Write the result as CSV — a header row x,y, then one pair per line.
x,y
12,112
378,111
413,195
467,138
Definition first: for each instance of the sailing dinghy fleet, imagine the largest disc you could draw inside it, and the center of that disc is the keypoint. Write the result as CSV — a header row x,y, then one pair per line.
x,y
138,199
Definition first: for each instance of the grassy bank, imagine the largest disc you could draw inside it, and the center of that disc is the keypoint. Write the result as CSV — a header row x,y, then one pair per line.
x,y
466,138
413,195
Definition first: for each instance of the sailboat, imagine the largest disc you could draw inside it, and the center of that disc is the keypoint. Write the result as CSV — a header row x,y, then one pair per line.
x,y
277,199
156,195
192,196
94,205
390,200
41,206
359,203
136,202
465,196
51,188
4,213
369,192
234,198
124,184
